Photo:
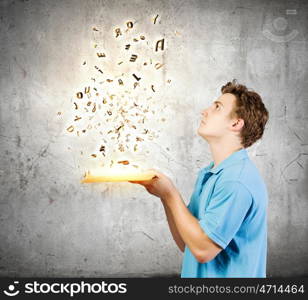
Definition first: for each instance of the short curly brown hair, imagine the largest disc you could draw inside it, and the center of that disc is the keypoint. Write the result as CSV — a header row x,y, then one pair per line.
x,y
250,108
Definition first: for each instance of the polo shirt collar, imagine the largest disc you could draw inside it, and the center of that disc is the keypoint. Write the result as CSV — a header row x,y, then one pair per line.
x,y
230,160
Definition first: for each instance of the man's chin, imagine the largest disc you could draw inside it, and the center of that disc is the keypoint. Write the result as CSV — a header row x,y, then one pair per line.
x,y
201,133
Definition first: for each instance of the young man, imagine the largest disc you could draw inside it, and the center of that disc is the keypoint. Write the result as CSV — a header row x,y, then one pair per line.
x,y
223,230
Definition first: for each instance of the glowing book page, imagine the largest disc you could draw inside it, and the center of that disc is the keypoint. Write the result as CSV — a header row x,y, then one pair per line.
x,y
113,177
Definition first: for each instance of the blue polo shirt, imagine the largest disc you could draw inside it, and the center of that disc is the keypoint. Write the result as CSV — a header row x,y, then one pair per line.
x,y
230,202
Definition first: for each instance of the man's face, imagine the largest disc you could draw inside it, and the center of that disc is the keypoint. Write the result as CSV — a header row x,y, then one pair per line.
x,y
216,121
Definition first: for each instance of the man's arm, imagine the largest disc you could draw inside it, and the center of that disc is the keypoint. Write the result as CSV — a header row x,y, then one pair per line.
x,y
176,236
189,229
184,226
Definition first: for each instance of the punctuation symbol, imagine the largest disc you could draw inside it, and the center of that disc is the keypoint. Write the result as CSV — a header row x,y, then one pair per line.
x,y
11,289
279,25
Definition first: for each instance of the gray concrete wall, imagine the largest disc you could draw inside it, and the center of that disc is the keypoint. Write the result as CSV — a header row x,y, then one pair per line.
x,y
51,225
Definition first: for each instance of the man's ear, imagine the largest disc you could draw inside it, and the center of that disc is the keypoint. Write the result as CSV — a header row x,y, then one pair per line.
x,y
238,124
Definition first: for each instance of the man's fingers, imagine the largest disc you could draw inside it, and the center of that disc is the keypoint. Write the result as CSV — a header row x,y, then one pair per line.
x,y
144,182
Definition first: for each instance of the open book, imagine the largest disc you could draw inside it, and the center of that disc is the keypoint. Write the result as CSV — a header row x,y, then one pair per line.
x,y
113,177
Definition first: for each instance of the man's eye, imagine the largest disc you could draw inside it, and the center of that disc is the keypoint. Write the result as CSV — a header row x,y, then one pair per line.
x,y
217,105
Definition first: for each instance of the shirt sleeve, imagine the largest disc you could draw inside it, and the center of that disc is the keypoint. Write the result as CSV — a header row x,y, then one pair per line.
x,y
226,211
193,195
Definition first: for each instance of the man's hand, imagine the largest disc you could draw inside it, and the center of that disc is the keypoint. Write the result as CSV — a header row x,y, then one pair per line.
x,y
160,186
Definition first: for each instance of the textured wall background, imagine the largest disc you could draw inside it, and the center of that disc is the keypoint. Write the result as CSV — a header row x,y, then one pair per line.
x,y
51,225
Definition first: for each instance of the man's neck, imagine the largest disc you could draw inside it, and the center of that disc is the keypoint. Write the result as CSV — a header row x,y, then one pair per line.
x,y
220,151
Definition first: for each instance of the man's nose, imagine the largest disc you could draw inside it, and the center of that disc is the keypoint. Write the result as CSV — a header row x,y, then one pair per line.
x,y
204,113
